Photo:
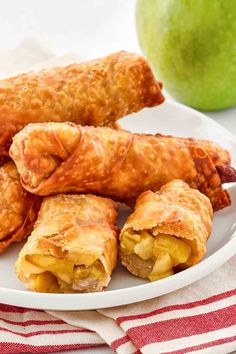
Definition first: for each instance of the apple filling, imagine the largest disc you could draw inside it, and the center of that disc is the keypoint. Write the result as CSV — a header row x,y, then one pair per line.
x,y
163,251
49,274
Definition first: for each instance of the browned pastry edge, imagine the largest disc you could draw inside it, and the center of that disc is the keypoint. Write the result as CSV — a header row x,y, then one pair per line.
x,y
27,226
227,174
211,186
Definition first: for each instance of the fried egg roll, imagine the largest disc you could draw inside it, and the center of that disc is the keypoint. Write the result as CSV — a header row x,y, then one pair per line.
x,y
73,247
96,93
18,208
62,157
167,231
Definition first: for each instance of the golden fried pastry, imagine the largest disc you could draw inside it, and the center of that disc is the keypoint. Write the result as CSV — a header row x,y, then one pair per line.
x,y
219,155
62,157
92,93
167,231
114,125
73,247
18,208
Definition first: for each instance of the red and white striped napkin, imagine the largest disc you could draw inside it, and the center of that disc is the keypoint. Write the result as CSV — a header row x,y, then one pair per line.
x,y
200,318
32,331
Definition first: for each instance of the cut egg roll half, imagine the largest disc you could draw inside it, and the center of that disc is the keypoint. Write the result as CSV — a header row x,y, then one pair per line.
x,y
73,247
167,231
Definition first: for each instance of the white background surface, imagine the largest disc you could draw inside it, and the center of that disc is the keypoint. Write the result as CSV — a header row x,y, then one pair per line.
x,y
88,28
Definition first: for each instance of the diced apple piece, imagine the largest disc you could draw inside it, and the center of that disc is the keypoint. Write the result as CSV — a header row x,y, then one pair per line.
x,y
127,245
162,268
163,263
45,283
52,264
41,261
82,273
144,249
63,266
67,278
87,260
29,268
133,236
176,248
98,270
128,241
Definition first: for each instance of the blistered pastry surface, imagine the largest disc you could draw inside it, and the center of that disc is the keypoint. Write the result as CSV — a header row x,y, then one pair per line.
x,y
18,208
91,93
62,157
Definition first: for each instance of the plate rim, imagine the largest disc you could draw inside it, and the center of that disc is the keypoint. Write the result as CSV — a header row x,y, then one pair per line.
x,y
201,270
34,300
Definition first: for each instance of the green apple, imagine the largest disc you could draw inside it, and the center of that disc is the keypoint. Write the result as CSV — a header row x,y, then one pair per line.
x,y
191,45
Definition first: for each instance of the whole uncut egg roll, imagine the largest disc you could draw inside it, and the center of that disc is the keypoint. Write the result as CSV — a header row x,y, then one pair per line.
x,y
18,208
62,157
73,247
96,92
167,231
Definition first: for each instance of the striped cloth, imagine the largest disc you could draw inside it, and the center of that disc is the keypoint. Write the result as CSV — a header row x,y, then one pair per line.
x,y
200,318
32,331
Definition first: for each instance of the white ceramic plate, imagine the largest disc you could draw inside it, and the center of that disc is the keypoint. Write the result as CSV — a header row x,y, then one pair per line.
x,y
170,118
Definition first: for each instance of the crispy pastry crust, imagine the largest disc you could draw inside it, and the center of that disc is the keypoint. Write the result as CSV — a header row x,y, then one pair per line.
x,y
62,157
92,93
68,225
175,210
114,125
219,155
18,208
